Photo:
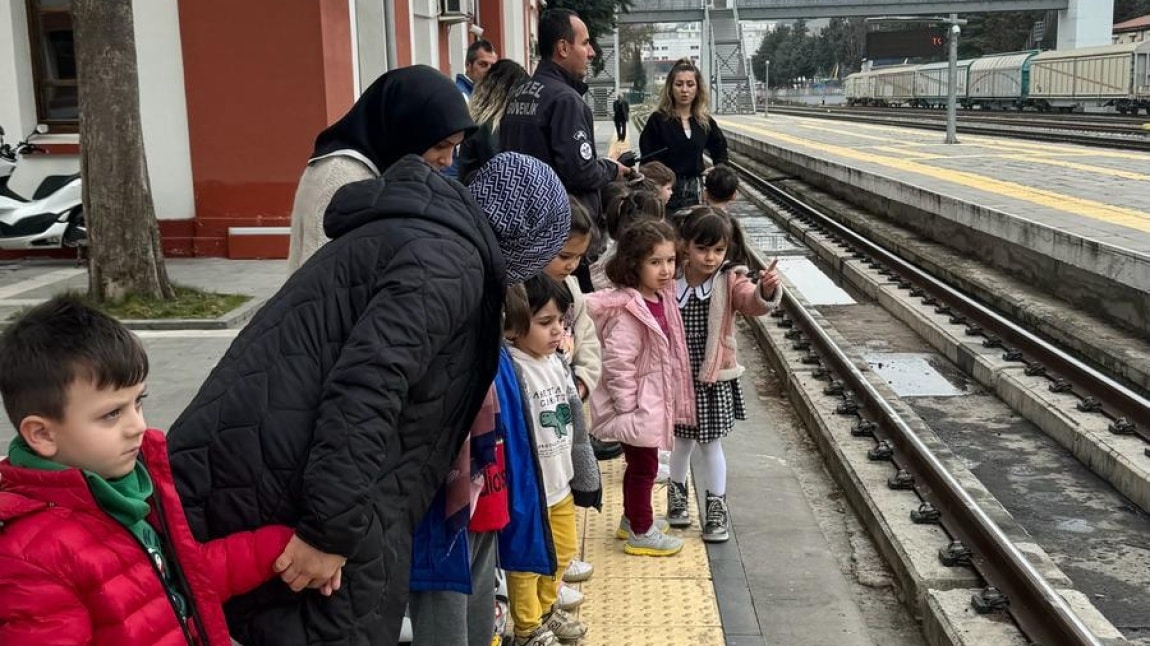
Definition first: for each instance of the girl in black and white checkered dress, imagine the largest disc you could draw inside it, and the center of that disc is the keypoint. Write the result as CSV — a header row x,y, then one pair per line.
x,y
710,290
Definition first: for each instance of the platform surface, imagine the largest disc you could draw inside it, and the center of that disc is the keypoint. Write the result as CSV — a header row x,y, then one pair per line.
x,y
1096,193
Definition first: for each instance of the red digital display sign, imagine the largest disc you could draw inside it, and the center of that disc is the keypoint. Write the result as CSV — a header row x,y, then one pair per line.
x,y
906,43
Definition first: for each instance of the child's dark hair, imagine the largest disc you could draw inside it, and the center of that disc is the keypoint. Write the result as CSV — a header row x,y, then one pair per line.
x,y
635,244
525,300
580,219
638,205
658,172
721,183
58,342
612,197
708,226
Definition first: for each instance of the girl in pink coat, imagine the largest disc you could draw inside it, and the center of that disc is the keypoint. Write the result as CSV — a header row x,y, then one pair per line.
x,y
645,388
708,292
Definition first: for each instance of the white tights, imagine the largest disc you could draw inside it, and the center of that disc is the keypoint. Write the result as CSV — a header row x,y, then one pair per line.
x,y
713,457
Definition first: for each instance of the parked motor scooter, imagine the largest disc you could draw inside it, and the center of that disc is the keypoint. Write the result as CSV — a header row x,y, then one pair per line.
x,y
51,217
7,160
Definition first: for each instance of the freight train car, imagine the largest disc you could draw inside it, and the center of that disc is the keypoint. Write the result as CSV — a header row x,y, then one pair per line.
x,y
858,88
894,85
999,82
932,84
1073,80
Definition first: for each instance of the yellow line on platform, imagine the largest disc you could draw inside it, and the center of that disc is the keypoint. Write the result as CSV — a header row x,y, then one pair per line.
x,y
979,140
1067,203
641,600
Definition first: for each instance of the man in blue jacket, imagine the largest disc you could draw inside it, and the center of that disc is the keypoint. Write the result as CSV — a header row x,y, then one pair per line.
x,y
480,57
547,118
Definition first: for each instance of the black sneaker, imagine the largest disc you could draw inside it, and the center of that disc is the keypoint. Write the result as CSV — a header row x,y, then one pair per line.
x,y
677,512
715,524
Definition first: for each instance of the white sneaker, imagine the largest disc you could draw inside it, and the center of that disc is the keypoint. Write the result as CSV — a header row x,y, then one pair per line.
x,y
569,598
406,634
664,474
578,571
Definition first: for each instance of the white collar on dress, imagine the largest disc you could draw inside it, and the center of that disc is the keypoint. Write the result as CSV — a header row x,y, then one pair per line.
x,y
701,291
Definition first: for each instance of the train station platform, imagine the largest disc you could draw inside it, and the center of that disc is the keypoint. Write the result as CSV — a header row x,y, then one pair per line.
x,y
1073,220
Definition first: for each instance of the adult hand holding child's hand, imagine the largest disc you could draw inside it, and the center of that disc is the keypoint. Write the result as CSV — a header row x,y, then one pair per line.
x,y
303,566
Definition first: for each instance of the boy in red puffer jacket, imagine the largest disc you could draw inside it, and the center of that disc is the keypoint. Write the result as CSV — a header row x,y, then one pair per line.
x,y
94,545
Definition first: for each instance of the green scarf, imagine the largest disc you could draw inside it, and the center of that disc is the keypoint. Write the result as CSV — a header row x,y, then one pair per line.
x,y
124,499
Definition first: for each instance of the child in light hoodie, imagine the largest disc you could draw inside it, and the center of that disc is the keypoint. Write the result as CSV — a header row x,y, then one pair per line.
x,y
581,350
533,324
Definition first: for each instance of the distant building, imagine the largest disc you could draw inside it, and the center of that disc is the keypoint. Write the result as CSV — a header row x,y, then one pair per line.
x,y
1135,30
682,40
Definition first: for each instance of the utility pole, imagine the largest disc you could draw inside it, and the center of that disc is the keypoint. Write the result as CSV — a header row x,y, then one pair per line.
x,y
766,88
618,64
952,89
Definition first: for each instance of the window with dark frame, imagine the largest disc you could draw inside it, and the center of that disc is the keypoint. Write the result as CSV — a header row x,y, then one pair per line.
x,y
54,63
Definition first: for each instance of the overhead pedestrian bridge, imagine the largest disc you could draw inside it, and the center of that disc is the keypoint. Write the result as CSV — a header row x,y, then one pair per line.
x,y
725,62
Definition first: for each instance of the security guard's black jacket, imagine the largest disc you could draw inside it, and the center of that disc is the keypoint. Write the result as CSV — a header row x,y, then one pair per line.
x,y
547,118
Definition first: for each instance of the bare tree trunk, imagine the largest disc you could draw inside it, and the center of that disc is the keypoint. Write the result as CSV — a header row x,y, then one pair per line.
x,y
123,238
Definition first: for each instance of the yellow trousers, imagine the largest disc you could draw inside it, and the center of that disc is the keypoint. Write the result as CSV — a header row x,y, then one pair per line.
x,y
533,595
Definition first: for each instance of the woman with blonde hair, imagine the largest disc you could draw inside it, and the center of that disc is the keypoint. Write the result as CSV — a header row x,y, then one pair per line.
x,y
488,102
681,130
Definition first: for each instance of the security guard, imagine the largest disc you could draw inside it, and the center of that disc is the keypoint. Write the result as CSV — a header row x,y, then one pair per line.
x,y
546,117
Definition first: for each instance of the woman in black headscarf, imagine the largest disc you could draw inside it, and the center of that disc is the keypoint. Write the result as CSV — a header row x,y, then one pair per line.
x,y
411,110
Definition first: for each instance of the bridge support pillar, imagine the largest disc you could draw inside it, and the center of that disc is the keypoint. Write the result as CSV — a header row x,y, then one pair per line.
x,y
1085,23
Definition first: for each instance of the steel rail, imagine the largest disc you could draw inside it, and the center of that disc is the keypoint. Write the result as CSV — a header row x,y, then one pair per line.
x,y
1041,613
1086,381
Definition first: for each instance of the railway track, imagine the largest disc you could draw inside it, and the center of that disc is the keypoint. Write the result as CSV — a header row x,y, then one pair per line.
x,y
1105,132
1012,583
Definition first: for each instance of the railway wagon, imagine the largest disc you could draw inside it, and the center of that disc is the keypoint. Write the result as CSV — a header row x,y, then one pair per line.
x,y
894,85
858,88
1000,82
1111,75
931,84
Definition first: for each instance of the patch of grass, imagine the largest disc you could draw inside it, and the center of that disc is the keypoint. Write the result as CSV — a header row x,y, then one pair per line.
x,y
189,303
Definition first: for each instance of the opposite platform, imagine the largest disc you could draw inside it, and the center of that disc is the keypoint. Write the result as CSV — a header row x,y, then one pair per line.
x,y
1072,220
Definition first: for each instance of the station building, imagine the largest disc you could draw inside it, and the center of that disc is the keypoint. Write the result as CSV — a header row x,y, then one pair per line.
x,y
233,92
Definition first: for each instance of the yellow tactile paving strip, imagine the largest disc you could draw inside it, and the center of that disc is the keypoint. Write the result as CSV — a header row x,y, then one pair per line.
x,y
640,600
1081,207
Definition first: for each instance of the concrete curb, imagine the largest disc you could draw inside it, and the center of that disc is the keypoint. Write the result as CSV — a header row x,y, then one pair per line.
x,y
233,319
230,321
1120,460
1091,274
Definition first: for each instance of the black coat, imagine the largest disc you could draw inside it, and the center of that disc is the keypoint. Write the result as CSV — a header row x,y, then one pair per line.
x,y
680,154
547,118
622,109
340,407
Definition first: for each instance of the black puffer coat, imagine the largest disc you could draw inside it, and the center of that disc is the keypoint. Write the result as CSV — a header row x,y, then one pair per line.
x,y
340,407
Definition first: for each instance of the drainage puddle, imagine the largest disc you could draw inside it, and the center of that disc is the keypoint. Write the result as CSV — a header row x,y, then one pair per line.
x,y
912,374
816,287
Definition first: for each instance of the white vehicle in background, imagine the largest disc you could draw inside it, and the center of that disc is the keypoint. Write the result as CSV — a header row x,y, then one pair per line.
x,y
38,212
